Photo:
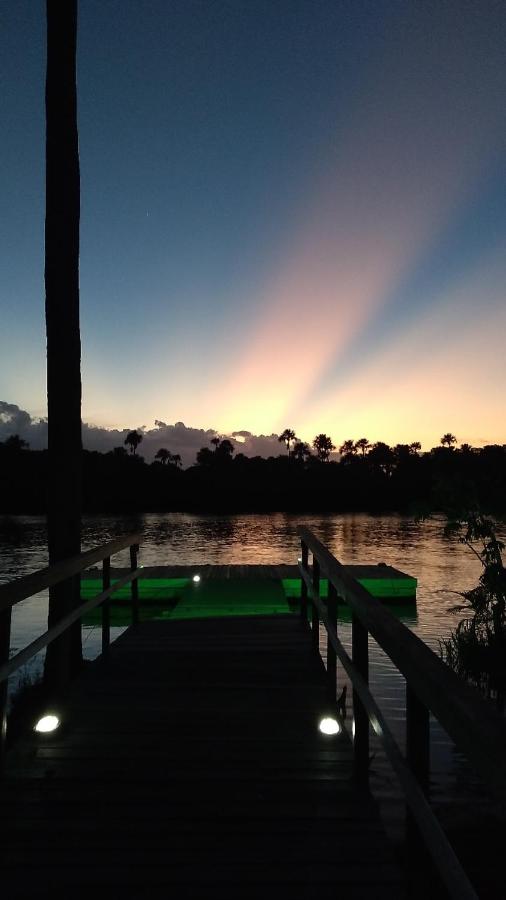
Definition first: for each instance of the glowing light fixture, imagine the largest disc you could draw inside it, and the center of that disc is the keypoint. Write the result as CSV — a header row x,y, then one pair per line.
x,y
329,726
196,579
46,724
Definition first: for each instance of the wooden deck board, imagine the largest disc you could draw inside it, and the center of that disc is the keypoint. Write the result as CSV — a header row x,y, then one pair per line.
x,y
190,765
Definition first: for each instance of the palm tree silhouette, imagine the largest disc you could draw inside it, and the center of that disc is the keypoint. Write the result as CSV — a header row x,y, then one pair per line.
x,y
448,440
287,437
323,446
163,455
132,440
347,449
414,447
363,445
301,451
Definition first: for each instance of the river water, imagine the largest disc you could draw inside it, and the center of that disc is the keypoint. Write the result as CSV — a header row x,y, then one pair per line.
x,y
441,566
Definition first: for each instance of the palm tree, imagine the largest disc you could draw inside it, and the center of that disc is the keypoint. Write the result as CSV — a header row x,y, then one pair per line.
x,y
62,328
448,440
363,445
382,457
323,446
301,451
132,440
347,450
415,447
175,460
402,453
163,455
287,437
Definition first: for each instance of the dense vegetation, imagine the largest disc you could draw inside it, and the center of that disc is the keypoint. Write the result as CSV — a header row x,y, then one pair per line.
x,y
476,649
366,477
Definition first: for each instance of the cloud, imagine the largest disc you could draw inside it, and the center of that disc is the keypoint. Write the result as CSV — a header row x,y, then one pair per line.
x,y
257,444
14,420
178,438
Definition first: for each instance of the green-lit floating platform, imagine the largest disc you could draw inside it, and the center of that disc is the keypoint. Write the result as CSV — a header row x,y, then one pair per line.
x,y
170,592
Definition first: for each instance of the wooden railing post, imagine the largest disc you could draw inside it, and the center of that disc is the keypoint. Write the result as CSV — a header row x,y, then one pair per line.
x,y
134,549
360,658
331,653
106,607
315,618
303,585
418,757
5,642
417,738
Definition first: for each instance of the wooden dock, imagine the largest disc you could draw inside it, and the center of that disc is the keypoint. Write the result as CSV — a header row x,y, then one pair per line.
x,y
189,764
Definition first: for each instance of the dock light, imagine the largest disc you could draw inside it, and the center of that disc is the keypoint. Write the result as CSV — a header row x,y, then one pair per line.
x,y
46,724
196,579
329,726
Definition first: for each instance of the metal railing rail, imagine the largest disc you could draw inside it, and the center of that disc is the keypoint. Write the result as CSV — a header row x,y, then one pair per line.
x,y
430,686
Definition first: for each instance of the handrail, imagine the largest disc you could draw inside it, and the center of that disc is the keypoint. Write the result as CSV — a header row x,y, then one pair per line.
x,y
430,829
51,634
474,726
21,588
430,685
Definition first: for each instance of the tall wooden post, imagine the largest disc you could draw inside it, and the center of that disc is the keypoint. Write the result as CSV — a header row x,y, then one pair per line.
x,y
418,757
134,585
62,326
360,657
5,643
331,653
303,585
106,607
315,616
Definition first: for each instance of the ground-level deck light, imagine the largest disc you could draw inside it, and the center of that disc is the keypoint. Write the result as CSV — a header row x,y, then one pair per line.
x,y
328,725
47,724
196,579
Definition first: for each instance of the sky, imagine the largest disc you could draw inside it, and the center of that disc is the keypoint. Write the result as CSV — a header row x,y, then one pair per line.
x,y
293,215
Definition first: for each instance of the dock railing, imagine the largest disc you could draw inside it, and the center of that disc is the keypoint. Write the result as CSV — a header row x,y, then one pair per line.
x,y
431,687
22,588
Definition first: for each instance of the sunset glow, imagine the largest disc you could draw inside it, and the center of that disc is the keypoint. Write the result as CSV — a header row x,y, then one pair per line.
x,y
319,247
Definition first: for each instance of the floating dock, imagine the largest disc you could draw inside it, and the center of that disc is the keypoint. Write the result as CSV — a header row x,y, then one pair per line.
x,y
186,592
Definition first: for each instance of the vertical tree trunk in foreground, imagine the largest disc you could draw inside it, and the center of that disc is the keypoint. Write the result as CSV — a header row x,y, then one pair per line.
x,y
62,325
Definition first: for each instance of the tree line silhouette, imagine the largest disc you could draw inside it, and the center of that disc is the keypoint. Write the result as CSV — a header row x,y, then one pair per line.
x,y
365,476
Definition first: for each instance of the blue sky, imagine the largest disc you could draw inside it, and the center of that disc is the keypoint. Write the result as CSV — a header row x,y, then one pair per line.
x,y
280,201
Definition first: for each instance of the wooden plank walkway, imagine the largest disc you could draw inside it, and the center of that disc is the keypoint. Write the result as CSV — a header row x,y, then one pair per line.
x,y
189,765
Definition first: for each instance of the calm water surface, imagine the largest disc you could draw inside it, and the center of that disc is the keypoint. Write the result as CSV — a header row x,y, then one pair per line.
x,y
441,566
